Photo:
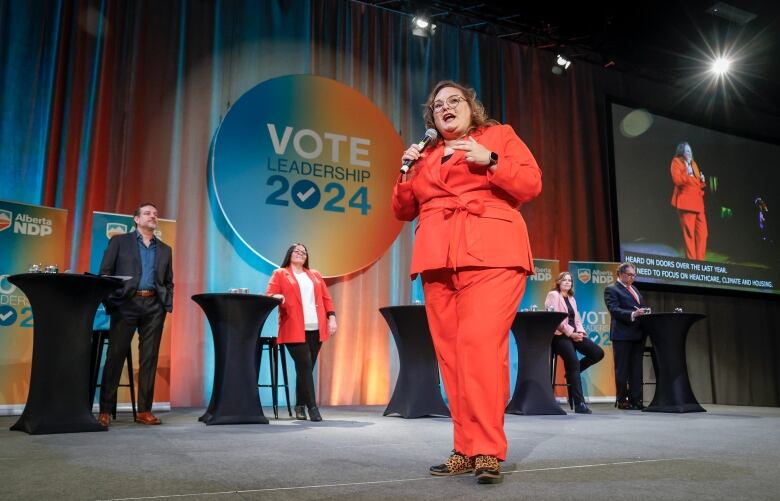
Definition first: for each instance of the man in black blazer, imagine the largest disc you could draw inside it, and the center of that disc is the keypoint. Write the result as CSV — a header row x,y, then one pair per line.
x,y
141,303
625,305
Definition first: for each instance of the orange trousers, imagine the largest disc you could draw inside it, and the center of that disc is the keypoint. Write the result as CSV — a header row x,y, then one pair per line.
x,y
470,312
694,229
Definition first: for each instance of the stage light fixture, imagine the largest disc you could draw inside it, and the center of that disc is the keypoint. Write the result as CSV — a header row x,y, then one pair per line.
x,y
422,27
721,66
561,64
731,13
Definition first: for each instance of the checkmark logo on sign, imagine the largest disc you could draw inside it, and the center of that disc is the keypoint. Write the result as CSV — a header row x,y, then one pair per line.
x,y
7,315
306,194
303,196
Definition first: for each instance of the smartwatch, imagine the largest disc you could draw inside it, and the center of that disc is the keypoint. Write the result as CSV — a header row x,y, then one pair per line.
x,y
493,158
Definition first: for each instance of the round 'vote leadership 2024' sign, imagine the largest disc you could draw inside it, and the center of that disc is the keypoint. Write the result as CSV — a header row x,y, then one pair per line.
x,y
302,158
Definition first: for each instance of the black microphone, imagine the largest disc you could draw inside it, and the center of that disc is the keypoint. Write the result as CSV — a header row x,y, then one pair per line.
x,y
430,135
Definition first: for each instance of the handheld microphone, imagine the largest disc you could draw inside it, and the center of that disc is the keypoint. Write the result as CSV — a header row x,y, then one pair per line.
x,y
430,135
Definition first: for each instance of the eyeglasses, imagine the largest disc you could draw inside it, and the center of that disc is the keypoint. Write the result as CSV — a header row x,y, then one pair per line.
x,y
301,252
631,275
451,102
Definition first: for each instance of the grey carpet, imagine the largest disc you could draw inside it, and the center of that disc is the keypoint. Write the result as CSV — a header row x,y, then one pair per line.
x,y
726,453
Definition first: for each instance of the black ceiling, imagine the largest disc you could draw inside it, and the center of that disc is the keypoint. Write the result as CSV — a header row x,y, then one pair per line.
x,y
669,41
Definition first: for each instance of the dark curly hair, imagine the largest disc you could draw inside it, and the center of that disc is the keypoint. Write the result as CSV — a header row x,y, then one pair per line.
x,y
479,117
137,211
680,150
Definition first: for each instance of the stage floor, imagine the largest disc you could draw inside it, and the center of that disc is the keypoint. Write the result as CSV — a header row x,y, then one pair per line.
x,y
726,453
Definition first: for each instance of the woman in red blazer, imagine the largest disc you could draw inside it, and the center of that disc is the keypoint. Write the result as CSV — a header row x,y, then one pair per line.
x,y
688,199
306,320
571,338
471,248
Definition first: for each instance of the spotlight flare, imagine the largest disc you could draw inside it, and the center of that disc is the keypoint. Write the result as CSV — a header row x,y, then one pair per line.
x,y
721,66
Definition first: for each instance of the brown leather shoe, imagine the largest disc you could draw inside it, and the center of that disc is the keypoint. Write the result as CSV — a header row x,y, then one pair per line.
x,y
147,418
104,418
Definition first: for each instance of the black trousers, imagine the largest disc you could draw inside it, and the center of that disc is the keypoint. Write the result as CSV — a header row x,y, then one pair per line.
x,y
147,315
305,356
628,369
568,349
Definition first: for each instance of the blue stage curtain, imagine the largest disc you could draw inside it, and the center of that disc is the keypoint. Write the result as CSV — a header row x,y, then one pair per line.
x,y
109,103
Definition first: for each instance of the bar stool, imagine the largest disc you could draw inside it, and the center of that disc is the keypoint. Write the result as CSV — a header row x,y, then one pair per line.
x,y
649,352
553,370
99,341
269,343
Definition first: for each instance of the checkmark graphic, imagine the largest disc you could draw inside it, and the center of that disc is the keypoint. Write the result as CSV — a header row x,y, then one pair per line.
x,y
7,315
304,196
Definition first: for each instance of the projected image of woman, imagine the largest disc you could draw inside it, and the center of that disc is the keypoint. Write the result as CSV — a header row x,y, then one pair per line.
x,y
688,199
306,320
472,250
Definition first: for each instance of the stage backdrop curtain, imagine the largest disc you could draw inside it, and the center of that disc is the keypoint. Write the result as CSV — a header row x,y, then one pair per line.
x,y
106,104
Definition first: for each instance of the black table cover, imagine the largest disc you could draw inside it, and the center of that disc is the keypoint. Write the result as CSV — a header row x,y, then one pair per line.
x,y
236,321
417,392
63,306
533,332
668,333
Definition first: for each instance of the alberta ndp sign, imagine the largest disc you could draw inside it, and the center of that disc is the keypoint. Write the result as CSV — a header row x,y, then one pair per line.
x,y
303,158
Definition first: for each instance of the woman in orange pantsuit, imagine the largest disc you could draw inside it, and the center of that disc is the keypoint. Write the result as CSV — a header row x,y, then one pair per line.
x,y
471,248
688,199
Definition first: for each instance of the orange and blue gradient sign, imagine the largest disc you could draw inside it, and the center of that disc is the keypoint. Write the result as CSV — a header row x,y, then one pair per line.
x,y
29,234
590,280
303,158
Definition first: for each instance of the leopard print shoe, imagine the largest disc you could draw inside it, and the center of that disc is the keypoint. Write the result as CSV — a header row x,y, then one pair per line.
x,y
456,464
487,469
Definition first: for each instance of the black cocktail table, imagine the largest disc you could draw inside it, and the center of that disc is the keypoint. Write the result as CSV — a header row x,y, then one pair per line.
x,y
63,306
417,392
668,333
236,321
534,331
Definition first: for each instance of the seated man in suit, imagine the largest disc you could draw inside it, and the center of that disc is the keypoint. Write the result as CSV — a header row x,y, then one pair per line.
x,y
625,306
141,303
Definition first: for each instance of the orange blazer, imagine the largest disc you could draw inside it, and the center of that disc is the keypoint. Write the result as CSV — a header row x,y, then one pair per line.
x,y
291,327
688,191
557,301
468,216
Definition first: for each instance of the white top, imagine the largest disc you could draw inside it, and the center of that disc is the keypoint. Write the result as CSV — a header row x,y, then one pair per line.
x,y
310,322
